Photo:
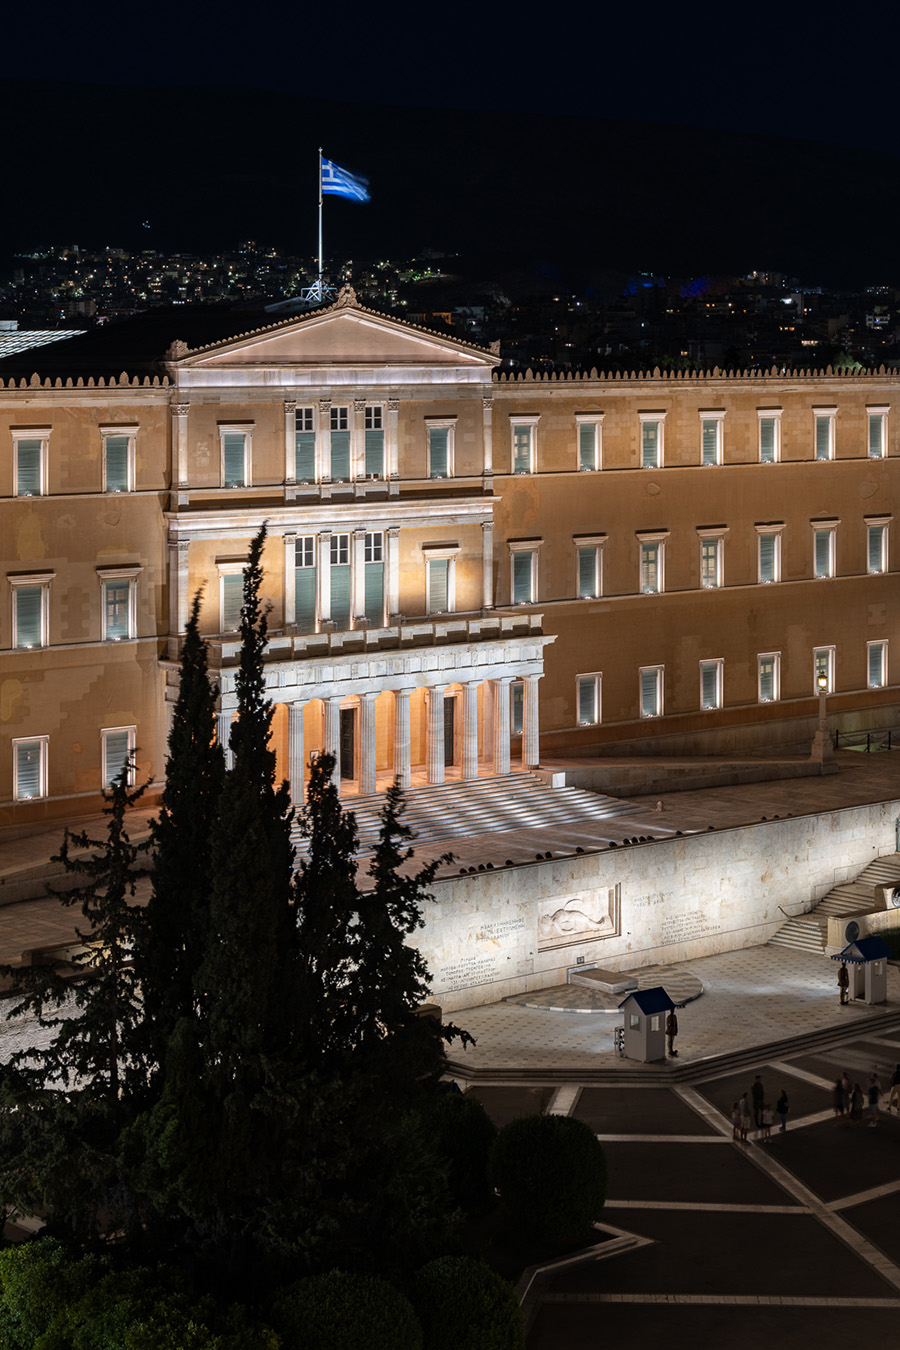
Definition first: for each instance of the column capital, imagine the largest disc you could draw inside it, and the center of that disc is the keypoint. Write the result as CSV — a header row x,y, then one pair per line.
x,y
487,402
324,405
359,405
360,532
325,534
393,531
393,404
183,545
180,409
290,405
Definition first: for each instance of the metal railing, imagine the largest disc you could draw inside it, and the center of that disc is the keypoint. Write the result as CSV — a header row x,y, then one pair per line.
x,y
866,741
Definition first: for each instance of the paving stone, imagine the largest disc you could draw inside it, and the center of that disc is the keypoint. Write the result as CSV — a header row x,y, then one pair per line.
x,y
835,1160
616,1110
702,1173
803,1097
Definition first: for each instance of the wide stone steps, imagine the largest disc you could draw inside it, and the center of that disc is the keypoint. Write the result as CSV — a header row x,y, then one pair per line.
x,y
482,805
803,934
809,932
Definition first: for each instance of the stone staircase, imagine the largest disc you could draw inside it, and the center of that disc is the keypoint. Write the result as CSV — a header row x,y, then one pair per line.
x,y
519,801
809,932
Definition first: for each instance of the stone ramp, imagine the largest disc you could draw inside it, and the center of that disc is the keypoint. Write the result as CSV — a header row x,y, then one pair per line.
x,y
483,806
809,932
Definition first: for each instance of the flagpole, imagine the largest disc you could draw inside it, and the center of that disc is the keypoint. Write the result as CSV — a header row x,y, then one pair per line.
x,y
320,220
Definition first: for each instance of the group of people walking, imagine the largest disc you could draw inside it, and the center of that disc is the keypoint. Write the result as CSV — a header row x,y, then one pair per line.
x,y
753,1107
852,1101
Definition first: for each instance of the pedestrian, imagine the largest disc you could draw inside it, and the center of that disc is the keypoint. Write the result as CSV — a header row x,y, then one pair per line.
x,y
672,1032
837,1102
736,1124
895,1090
874,1095
856,1104
844,983
847,1089
744,1109
768,1120
758,1093
782,1106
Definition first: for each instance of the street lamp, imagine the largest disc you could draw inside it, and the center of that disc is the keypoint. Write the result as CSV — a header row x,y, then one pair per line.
x,y
821,746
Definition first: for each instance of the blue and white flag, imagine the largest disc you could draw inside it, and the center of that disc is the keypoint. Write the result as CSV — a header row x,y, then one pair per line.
x,y
338,182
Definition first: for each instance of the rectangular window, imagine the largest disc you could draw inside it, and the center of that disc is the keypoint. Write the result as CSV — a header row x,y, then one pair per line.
x,y
438,582
769,435
588,693
877,433
341,589
305,583
823,553
588,572
516,707
30,606
374,446
118,461
824,434
523,447
876,653
768,666
117,745
340,445
523,566
652,691
651,567
589,430
711,438
234,459
823,665
30,768
877,548
232,601
650,445
305,445
711,684
117,610
30,463
373,555
439,452
769,556
710,561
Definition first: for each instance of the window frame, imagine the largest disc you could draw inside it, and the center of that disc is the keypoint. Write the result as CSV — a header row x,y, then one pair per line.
x,y
230,567
447,424
882,645
589,542
43,743
302,413
532,548
829,415
660,673
41,434
877,413
28,581
594,420
658,539
822,528
712,534
717,417
336,411
878,523
717,663
827,665
775,531
128,431
775,658
594,680
110,575
244,429
370,410
660,419
517,421
774,414
105,733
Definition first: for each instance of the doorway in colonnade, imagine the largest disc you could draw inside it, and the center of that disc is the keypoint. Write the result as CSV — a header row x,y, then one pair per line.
x,y
348,743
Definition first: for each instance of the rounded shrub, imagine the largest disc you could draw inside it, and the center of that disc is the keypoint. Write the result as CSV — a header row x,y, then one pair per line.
x,y
463,1134
550,1172
340,1311
462,1302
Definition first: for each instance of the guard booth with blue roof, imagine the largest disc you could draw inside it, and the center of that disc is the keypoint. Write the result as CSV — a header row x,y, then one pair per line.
x,y
645,1023
867,958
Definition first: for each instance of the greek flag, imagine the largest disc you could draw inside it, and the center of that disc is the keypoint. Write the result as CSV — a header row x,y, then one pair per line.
x,y
338,182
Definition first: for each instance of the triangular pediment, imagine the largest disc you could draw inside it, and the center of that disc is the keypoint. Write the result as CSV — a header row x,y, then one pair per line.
x,y
345,334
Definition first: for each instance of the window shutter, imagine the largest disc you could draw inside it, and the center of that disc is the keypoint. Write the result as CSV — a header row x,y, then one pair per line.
x,y
710,442
767,680
650,568
437,452
522,450
375,453
340,455
823,429
116,609
28,468
374,588
438,585
587,712
709,685
116,755
587,445
649,444
767,557
233,454
823,553
117,463
876,548
232,601
767,440
340,595
649,693
587,572
29,603
305,457
305,598
876,665
522,585
875,427
28,769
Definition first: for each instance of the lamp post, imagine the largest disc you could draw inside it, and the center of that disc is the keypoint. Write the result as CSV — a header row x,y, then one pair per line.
x,y
821,746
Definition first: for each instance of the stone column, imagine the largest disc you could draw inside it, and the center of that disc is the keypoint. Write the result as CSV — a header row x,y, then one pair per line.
x,y
290,589
501,725
470,729
435,745
179,594
290,442
223,734
179,443
392,580
323,440
358,440
358,607
367,765
333,735
487,564
531,738
323,576
392,449
402,768
295,752
487,404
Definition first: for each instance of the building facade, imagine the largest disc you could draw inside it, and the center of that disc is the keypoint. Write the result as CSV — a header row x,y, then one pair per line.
x,y
464,571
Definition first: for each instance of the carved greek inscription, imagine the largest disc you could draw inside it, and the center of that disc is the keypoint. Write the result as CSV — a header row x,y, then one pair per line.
x,y
465,973
496,932
687,927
